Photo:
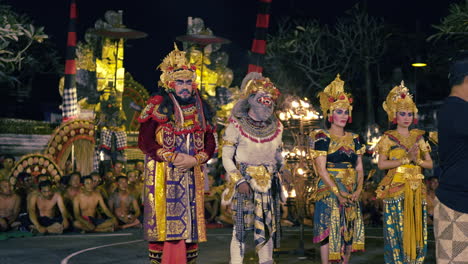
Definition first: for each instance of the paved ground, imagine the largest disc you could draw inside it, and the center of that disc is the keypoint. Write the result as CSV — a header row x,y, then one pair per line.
x,y
128,247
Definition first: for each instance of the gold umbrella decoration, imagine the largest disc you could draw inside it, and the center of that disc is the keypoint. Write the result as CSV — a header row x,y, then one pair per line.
x,y
74,138
36,164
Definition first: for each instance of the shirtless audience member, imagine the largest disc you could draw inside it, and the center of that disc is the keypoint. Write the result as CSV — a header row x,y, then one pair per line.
x,y
73,189
85,207
109,182
118,169
42,209
24,186
8,163
98,186
124,205
35,186
140,166
9,207
135,186
74,186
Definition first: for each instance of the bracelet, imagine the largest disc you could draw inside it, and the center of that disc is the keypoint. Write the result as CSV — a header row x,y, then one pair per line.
x,y
404,161
334,189
174,157
419,162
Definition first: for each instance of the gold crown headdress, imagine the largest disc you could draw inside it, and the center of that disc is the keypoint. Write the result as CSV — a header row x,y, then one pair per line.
x,y
263,84
334,97
174,66
398,99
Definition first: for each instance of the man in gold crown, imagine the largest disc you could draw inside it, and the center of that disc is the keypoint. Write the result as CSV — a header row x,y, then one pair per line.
x,y
177,138
404,153
252,159
338,225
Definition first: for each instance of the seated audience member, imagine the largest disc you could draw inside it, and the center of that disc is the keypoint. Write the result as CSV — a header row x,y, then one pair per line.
x,y
98,185
74,186
85,207
130,166
43,212
73,189
124,205
118,168
140,166
9,207
109,182
8,163
24,186
35,188
135,186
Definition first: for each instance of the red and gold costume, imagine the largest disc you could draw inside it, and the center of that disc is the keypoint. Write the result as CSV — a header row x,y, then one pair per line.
x,y
174,207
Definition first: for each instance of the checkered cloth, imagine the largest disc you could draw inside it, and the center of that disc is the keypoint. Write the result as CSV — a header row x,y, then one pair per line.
x,y
70,103
259,212
451,233
106,139
96,159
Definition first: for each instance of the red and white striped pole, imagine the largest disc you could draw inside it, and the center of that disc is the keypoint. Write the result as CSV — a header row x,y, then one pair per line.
x,y
259,42
70,104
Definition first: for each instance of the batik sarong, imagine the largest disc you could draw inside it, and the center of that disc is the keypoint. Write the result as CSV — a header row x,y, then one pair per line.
x,y
342,225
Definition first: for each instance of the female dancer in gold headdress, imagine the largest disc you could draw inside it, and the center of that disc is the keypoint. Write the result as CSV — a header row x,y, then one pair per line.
x,y
403,153
338,224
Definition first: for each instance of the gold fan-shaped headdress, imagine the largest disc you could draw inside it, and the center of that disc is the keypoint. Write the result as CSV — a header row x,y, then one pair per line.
x,y
399,99
175,66
334,97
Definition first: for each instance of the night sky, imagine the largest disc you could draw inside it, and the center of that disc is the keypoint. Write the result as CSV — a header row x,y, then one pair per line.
x,y
234,20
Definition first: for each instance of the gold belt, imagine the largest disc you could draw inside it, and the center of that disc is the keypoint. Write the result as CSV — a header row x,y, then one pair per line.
x,y
261,178
409,174
347,176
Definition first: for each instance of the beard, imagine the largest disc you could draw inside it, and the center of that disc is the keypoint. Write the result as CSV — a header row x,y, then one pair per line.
x,y
185,101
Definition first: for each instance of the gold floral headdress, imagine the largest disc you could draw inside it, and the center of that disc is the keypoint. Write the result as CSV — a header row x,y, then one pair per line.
x,y
398,99
262,84
334,97
175,66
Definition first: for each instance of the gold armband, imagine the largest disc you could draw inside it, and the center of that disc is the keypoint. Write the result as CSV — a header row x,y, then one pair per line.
x,y
419,162
234,177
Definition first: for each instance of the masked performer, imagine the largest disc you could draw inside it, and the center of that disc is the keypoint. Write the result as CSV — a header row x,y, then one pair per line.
x,y
252,159
338,224
177,138
404,153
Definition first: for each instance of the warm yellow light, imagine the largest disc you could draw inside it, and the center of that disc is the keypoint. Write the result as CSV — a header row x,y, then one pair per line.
x,y
419,64
293,194
300,171
295,104
282,116
304,104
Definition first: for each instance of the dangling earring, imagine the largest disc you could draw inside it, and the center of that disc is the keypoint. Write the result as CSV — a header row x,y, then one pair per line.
x,y
415,121
394,121
350,119
330,119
